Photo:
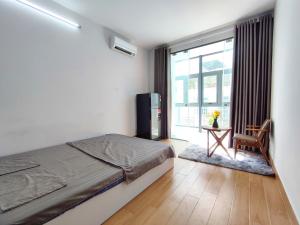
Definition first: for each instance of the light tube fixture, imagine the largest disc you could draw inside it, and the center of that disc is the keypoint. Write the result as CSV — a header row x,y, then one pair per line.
x,y
49,13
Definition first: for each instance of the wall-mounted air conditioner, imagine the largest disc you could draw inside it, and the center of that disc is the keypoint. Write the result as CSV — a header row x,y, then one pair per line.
x,y
123,46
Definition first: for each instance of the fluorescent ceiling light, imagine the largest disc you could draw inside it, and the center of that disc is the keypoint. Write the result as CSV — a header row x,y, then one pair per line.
x,y
47,12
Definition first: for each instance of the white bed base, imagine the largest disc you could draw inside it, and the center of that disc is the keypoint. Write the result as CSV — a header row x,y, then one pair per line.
x,y
99,208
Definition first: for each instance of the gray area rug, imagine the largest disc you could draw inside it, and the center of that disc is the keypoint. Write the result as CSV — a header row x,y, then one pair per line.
x,y
245,161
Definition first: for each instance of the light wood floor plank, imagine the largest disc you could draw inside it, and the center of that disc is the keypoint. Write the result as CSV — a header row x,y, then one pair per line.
x,y
287,204
179,164
215,183
278,214
222,208
202,210
168,190
219,214
181,215
227,190
141,218
119,218
188,167
258,205
142,200
185,186
240,209
163,213
201,182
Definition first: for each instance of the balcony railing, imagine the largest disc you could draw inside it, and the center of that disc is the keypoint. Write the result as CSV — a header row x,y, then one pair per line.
x,y
189,116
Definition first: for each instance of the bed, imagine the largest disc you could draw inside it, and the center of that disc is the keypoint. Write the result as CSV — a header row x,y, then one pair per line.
x,y
97,185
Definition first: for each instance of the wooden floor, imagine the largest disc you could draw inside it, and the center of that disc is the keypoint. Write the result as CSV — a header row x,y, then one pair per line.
x,y
196,193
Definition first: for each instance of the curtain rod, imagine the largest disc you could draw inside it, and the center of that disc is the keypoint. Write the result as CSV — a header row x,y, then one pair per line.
x,y
256,18
202,36
197,46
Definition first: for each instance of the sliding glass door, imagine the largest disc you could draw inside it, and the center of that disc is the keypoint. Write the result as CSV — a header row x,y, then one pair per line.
x,y
186,93
201,83
216,86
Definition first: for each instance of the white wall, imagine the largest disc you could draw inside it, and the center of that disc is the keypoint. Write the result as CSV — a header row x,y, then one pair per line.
x,y
60,84
285,99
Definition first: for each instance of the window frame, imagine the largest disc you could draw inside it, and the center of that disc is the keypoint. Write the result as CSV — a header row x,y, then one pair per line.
x,y
219,75
185,79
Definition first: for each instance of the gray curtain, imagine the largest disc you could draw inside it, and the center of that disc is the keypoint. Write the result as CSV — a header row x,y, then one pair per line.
x,y
251,88
161,86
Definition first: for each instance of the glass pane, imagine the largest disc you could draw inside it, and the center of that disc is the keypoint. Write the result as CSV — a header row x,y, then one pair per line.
x,y
179,91
155,123
193,90
212,62
226,89
194,66
182,68
227,59
228,44
209,89
186,116
207,49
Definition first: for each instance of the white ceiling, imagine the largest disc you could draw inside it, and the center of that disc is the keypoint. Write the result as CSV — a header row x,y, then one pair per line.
x,y
149,23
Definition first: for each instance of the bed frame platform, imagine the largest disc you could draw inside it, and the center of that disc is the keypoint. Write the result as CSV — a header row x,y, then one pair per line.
x,y
98,209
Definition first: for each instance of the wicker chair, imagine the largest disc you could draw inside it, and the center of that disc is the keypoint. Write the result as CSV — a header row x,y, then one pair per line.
x,y
257,139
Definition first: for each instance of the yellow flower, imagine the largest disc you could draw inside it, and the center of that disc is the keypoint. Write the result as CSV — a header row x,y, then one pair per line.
x,y
216,114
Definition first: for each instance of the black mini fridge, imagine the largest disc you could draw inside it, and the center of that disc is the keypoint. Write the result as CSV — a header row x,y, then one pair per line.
x,y
148,116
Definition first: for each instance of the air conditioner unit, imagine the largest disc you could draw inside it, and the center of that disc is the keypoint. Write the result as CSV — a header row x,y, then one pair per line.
x,y
123,46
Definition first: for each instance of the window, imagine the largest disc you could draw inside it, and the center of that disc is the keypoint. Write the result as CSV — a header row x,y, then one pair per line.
x,y
193,90
210,89
182,68
212,62
186,81
186,90
201,83
226,87
194,66
179,90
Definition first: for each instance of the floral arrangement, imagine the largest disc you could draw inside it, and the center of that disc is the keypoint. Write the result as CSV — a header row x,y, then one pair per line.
x,y
214,119
216,114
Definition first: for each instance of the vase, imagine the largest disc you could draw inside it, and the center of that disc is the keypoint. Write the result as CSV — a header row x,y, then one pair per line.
x,y
215,124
